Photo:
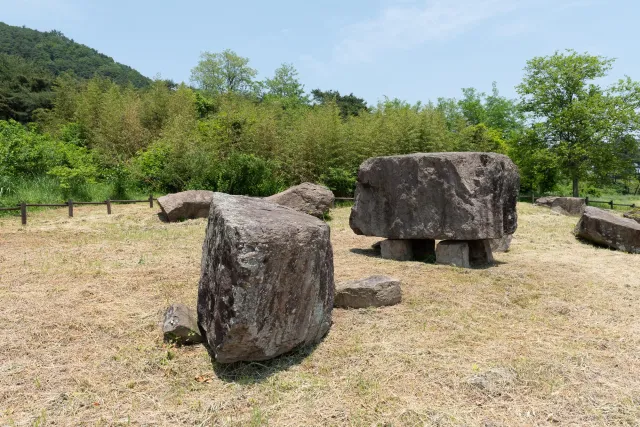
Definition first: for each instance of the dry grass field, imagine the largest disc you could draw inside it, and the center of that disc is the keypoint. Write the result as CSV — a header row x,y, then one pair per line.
x,y
548,336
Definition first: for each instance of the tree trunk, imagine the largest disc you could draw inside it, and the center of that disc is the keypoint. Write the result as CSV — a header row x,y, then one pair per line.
x,y
576,193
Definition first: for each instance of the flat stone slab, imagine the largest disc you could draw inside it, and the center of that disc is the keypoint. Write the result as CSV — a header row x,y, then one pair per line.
x,y
607,229
190,204
374,291
266,284
439,196
180,325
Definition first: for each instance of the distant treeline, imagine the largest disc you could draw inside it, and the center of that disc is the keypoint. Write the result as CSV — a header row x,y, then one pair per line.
x,y
229,132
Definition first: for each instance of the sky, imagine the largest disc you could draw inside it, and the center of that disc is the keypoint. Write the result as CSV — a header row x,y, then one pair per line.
x,y
414,50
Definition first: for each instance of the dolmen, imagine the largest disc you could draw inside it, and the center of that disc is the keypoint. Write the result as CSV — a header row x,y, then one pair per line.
x,y
604,228
312,199
463,199
190,204
266,284
572,206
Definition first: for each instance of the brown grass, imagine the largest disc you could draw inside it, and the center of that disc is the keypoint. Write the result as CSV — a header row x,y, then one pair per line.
x,y
81,300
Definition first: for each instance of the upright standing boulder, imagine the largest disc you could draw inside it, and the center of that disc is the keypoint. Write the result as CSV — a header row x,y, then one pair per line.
x,y
190,204
458,196
309,198
266,285
607,229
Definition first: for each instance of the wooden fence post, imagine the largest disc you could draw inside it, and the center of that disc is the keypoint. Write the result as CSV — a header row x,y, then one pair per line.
x,y
533,197
586,200
70,203
611,204
108,202
150,200
23,213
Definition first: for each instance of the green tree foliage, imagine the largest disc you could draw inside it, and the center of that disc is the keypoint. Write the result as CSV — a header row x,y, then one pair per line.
x,y
285,87
223,73
24,88
57,54
350,105
584,125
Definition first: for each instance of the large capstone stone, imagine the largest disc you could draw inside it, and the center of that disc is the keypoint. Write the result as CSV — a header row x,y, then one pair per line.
x,y
374,291
190,204
309,198
266,285
459,196
607,229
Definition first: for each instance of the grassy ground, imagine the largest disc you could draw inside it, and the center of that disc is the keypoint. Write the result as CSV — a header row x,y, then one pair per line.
x,y
548,336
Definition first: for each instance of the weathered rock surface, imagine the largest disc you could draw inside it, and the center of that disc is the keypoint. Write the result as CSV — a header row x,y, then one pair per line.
x,y
309,198
502,244
180,325
546,201
464,253
480,253
633,214
374,291
607,229
266,284
461,196
452,252
568,205
190,204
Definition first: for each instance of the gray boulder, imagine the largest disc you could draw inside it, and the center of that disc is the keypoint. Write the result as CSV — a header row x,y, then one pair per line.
x,y
374,291
568,205
546,201
460,196
180,325
607,229
502,244
190,204
309,198
266,284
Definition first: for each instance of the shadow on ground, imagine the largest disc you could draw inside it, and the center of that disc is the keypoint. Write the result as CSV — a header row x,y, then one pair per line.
x,y
257,372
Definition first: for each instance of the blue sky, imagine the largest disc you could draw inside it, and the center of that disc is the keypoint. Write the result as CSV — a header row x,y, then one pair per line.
x,y
416,50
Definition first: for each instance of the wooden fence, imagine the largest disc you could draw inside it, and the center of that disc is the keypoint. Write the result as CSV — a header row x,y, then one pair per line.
x,y
22,207
532,197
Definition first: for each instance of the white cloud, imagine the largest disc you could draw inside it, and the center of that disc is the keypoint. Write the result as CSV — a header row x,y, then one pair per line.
x,y
407,27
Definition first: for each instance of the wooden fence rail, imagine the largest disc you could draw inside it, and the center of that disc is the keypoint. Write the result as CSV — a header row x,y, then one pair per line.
x,y
22,207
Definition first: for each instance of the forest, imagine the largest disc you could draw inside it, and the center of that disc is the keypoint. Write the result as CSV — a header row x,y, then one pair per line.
x,y
77,124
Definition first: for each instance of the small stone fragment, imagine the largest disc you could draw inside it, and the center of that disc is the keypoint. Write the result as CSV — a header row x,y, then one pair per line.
x,y
374,291
180,325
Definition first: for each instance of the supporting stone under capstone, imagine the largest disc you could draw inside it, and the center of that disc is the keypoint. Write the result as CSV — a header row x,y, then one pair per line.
x,y
464,253
407,249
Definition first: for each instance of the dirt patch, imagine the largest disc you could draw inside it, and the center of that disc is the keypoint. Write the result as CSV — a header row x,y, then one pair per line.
x,y
82,299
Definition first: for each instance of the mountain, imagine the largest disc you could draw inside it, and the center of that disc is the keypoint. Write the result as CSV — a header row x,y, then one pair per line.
x,y
30,60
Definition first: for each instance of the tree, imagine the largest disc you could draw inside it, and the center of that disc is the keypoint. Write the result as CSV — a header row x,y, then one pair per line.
x,y
224,72
581,122
286,87
350,105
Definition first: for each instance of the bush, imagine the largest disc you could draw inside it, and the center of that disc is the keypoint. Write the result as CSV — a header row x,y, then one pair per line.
x,y
342,182
248,175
